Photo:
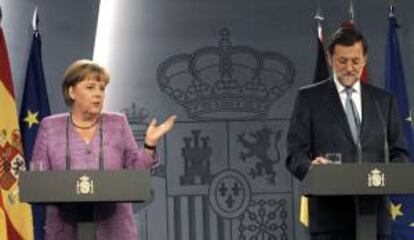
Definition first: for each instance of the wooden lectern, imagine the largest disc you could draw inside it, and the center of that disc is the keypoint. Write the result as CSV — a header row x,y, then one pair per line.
x,y
84,189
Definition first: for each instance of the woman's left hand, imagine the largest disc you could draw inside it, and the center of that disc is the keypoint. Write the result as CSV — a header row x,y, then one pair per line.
x,y
154,132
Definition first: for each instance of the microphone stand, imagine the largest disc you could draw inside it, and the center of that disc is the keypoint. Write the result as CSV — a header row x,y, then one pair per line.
x,y
386,147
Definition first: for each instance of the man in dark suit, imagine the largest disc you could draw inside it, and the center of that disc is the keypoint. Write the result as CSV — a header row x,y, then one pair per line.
x,y
343,115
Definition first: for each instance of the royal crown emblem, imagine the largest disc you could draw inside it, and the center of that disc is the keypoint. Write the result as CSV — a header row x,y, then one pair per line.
x,y
376,178
226,81
84,185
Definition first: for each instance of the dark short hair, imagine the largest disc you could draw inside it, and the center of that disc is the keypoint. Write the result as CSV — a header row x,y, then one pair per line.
x,y
347,35
77,72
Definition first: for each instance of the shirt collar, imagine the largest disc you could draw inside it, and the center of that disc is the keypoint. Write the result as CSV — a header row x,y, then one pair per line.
x,y
341,88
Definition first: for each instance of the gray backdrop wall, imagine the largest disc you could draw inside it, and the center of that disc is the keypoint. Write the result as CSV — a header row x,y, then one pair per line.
x,y
68,32
229,70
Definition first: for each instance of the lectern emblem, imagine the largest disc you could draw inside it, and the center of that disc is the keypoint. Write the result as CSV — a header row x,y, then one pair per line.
x,y
84,185
376,178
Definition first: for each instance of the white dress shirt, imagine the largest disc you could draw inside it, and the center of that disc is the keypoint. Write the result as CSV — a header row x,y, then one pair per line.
x,y
356,95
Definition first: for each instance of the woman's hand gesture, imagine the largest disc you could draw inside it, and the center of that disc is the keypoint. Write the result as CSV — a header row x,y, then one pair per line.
x,y
154,132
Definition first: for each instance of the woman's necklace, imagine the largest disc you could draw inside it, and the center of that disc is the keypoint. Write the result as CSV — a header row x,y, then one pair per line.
x,y
84,127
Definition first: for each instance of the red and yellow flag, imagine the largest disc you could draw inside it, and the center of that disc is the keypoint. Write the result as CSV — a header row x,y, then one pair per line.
x,y
15,217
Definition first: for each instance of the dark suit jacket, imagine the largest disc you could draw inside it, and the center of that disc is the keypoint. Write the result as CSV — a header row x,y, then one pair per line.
x,y
318,125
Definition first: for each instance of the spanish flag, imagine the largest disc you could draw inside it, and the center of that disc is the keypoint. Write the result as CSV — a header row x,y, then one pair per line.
x,y
15,217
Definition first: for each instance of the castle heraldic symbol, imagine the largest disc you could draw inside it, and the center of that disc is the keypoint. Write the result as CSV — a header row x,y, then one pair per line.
x,y
236,82
196,159
217,179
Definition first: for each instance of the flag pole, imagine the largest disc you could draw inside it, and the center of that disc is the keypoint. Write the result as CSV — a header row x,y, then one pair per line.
x,y
35,21
351,11
318,15
34,102
319,18
391,8
391,14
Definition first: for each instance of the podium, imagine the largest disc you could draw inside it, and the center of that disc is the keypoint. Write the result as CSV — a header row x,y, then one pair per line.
x,y
84,189
365,181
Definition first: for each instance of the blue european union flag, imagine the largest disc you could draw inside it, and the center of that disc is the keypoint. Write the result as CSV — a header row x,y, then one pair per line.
x,y
402,207
35,106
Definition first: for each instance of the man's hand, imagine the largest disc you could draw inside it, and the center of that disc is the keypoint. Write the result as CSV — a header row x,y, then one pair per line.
x,y
320,161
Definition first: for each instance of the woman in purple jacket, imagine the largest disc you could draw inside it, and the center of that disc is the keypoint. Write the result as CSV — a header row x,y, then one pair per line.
x,y
87,136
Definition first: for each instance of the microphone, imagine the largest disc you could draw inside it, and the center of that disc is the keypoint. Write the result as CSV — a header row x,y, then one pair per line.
x,y
67,155
384,130
359,151
101,153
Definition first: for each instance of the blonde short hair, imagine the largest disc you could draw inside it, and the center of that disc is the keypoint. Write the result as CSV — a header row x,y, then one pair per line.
x,y
77,72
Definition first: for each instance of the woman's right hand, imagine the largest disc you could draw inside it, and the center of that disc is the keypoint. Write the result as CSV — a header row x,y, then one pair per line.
x,y
154,132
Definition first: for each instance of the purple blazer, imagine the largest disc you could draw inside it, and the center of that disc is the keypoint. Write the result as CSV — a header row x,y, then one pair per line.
x,y
114,221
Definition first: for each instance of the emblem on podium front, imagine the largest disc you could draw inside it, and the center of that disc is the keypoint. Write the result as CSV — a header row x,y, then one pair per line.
x,y
376,178
84,185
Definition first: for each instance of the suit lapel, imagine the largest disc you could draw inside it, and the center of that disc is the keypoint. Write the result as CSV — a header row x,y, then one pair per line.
x,y
368,110
335,105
